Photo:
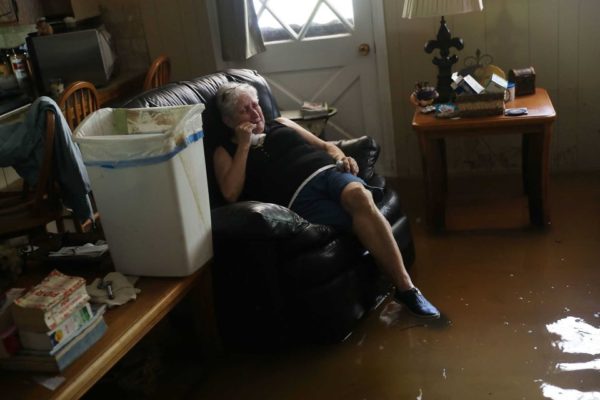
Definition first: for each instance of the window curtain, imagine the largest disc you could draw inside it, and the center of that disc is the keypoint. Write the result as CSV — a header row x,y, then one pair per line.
x,y
239,30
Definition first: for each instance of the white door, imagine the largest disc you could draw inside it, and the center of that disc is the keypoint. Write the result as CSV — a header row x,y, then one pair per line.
x,y
324,50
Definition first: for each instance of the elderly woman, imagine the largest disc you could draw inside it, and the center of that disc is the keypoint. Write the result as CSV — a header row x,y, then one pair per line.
x,y
280,162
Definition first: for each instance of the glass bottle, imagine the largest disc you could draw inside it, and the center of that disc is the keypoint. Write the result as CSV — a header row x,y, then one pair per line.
x,y
19,67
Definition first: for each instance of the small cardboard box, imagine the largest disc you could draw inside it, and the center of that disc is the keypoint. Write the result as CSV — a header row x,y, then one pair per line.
x,y
497,84
524,80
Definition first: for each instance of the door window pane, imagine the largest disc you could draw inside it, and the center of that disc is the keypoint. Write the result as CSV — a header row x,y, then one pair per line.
x,y
295,20
344,8
271,30
325,23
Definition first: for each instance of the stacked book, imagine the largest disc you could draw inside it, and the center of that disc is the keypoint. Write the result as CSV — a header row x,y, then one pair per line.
x,y
310,110
56,324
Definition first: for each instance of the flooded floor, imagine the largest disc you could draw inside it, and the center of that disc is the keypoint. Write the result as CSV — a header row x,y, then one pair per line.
x,y
521,312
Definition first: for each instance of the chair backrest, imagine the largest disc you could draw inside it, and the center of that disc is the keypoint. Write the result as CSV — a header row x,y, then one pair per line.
x,y
46,187
159,73
78,101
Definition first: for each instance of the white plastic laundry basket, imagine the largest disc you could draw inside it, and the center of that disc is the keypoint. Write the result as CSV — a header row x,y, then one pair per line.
x,y
148,177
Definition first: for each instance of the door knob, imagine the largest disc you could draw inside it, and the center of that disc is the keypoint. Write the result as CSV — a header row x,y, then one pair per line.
x,y
364,49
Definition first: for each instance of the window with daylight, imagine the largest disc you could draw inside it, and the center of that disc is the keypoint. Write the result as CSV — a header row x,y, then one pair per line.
x,y
281,20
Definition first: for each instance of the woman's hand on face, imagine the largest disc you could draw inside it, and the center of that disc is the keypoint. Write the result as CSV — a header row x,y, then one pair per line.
x,y
349,164
243,132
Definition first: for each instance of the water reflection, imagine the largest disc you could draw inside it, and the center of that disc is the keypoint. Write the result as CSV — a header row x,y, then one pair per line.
x,y
391,313
593,365
557,393
575,337
394,314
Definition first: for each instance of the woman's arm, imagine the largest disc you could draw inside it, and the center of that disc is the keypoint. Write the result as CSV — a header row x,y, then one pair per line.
x,y
231,172
349,164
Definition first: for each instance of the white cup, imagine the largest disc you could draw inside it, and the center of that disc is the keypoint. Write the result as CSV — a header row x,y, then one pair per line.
x,y
509,94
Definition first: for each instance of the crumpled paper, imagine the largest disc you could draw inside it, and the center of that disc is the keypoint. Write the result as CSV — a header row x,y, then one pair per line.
x,y
122,288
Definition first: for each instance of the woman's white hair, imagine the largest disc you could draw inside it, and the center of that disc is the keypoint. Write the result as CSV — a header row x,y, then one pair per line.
x,y
228,94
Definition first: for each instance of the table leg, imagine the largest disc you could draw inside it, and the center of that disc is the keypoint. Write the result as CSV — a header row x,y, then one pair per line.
x,y
195,318
536,154
525,162
206,321
444,164
434,172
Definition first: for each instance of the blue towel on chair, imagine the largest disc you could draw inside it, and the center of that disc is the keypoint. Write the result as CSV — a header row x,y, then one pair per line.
x,y
22,147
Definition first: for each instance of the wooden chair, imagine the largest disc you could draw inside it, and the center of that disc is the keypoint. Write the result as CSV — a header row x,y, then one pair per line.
x,y
159,73
30,210
78,101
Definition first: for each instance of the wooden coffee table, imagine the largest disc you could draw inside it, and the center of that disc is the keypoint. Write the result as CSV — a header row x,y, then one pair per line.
x,y
127,325
536,131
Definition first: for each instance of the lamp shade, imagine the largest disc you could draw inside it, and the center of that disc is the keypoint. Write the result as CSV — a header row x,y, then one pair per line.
x,y
438,8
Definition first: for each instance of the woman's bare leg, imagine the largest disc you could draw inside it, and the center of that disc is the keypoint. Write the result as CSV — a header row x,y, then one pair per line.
x,y
375,233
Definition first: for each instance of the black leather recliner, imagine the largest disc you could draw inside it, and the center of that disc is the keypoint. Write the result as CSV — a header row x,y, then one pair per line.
x,y
277,278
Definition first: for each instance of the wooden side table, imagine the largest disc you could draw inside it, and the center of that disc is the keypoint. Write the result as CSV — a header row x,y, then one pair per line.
x,y
314,124
536,131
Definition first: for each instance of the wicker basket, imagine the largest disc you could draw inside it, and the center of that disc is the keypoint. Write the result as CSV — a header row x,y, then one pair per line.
x,y
480,105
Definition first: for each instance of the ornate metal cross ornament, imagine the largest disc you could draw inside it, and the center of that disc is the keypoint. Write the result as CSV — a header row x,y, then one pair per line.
x,y
444,42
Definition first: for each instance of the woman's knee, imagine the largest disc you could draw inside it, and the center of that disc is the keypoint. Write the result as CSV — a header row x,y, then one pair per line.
x,y
356,197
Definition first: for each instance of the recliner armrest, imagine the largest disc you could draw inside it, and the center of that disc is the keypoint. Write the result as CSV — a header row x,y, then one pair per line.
x,y
365,151
267,221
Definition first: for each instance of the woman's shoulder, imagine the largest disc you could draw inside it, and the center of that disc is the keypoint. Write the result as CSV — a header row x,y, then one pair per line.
x,y
273,124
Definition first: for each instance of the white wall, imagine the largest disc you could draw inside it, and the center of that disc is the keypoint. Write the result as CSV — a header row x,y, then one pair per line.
x,y
559,38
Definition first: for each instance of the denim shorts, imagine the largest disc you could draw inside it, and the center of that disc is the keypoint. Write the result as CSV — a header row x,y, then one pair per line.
x,y
319,200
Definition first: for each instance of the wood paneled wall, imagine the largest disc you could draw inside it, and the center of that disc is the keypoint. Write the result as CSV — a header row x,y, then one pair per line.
x,y
559,38
180,29
123,20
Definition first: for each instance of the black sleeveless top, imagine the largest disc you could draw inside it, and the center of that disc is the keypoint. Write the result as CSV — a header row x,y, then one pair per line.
x,y
277,168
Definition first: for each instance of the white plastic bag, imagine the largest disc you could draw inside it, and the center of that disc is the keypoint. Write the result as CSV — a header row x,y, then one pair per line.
x,y
122,137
